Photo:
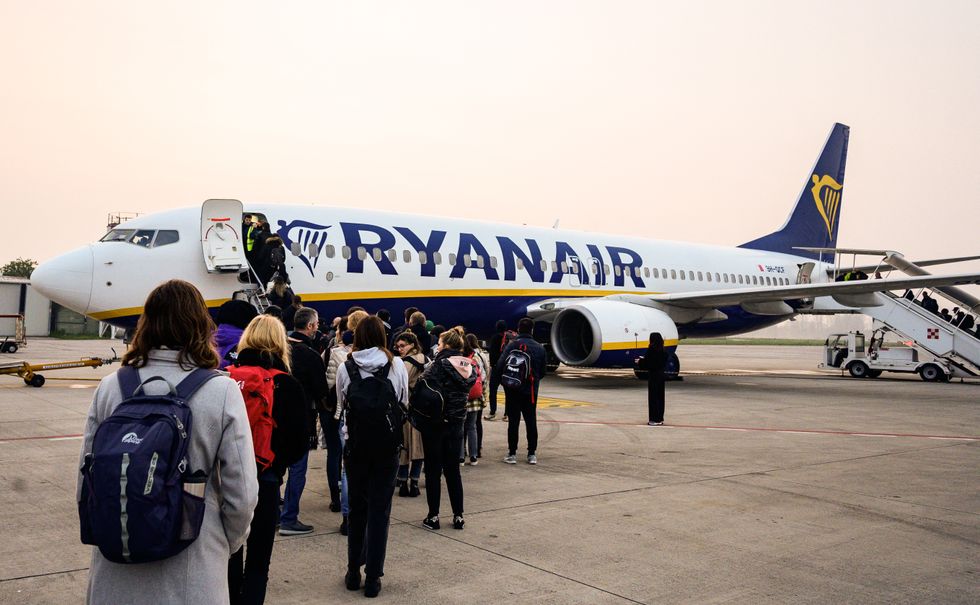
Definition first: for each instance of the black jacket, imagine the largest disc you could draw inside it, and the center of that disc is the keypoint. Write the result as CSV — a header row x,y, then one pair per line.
x,y
308,369
425,339
454,388
539,364
289,437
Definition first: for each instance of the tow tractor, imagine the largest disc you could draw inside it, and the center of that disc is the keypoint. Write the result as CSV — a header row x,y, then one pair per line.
x,y
29,371
848,352
10,344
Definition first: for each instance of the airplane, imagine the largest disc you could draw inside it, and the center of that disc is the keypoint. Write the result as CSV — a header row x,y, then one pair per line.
x,y
596,298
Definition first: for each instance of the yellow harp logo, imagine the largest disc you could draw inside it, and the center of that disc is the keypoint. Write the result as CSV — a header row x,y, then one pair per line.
x,y
826,193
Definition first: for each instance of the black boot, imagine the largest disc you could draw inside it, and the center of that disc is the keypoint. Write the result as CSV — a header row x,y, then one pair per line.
x,y
414,491
402,488
372,586
343,526
353,578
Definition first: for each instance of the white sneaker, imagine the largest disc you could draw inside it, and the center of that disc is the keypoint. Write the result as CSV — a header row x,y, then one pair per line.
x,y
511,459
532,459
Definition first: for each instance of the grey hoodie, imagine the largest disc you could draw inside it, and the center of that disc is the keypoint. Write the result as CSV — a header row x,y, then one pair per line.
x,y
368,362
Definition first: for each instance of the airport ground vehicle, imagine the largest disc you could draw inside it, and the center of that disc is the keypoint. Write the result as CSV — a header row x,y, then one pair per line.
x,y
29,371
10,344
848,352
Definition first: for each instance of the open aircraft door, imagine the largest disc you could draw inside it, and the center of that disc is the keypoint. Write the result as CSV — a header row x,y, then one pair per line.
x,y
221,236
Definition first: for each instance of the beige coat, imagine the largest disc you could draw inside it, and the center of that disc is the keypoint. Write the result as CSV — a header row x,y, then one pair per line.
x,y
221,445
413,439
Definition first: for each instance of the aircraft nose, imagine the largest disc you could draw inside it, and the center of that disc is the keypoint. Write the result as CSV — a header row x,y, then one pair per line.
x,y
67,279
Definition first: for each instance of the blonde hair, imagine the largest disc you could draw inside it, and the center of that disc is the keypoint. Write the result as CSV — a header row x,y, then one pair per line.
x,y
355,318
267,334
453,337
417,319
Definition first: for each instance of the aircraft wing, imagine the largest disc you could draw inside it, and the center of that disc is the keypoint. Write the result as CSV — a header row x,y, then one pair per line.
x,y
885,266
720,298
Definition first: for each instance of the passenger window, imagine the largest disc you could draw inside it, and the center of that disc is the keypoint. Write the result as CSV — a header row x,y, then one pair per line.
x,y
376,254
361,253
755,280
423,257
708,275
143,238
656,273
345,252
392,255
313,251
564,267
726,278
605,269
467,260
452,258
493,262
118,235
519,264
165,237
690,275
296,249
673,274
646,271
544,265
733,278
619,270
330,250
480,262
700,276
682,274
407,256
768,281
437,257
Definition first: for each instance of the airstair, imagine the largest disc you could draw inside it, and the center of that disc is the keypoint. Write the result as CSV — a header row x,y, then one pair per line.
x,y
930,331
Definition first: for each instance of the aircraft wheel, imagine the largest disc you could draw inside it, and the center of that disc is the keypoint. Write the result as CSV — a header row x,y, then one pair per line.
x,y
37,381
858,369
874,373
931,373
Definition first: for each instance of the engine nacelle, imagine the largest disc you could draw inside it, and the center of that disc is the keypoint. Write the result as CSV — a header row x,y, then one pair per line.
x,y
607,333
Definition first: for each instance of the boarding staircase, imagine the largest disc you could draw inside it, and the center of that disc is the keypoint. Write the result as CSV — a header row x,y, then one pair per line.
x,y
930,332
253,291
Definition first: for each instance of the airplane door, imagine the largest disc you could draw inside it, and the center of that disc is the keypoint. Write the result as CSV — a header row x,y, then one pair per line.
x,y
598,274
221,236
573,268
806,271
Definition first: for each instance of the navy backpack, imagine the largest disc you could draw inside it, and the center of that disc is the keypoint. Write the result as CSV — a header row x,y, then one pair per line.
x,y
140,502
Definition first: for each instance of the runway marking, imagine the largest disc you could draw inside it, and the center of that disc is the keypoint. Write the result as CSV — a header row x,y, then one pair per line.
x,y
764,430
41,438
552,402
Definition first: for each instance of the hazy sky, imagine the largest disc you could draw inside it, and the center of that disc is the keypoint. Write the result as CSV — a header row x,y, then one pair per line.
x,y
676,120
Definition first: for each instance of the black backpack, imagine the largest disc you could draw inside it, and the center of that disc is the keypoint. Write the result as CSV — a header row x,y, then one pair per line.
x,y
517,374
427,403
374,414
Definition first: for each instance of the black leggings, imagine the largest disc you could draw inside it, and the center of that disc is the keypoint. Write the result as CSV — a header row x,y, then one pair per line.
x,y
249,576
370,486
442,446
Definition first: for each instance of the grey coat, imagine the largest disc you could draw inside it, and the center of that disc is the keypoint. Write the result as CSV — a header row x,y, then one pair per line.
x,y
221,445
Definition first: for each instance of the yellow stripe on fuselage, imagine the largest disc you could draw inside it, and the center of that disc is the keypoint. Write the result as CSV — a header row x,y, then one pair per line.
x,y
128,311
634,344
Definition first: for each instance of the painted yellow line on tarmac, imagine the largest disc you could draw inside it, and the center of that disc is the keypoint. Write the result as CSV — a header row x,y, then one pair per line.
x,y
552,402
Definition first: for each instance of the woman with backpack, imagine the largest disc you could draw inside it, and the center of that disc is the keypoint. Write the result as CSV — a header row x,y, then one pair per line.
x,y
372,389
173,341
476,400
263,372
411,457
450,376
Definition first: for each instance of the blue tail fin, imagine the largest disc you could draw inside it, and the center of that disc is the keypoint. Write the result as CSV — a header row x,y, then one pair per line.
x,y
813,222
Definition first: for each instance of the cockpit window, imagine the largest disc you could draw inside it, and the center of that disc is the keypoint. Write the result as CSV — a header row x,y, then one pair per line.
x,y
118,235
166,236
145,238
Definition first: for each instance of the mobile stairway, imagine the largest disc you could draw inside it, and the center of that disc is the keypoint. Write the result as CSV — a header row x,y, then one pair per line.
x,y
930,332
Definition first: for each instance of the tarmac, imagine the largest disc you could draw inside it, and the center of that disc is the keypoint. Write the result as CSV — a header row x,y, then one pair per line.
x,y
772,482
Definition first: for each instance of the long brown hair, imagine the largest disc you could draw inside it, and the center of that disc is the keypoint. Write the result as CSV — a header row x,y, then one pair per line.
x,y
370,332
174,316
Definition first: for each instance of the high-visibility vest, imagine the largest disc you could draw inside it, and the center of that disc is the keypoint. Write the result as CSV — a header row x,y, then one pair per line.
x,y
249,239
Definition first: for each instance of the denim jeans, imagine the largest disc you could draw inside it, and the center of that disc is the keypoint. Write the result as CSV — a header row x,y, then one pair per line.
x,y
471,435
407,472
344,500
294,490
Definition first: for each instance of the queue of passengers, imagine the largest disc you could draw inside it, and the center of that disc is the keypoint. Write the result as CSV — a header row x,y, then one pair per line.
x,y
957,317
198,457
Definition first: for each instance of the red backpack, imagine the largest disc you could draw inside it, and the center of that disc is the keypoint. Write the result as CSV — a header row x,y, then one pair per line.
x,y
476,391
257,386
508,336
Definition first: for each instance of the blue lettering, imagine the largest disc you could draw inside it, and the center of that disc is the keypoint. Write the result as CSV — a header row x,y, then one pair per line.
x,y
564,252
352,238
616,256
469,245
600,279
430,247
509,251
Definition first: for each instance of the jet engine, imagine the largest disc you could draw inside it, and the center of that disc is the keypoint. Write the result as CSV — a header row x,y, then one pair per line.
x,y
607,332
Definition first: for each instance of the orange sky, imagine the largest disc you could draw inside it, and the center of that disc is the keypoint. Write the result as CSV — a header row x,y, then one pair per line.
x,y
676,120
